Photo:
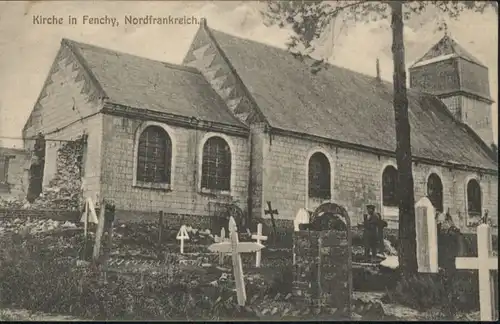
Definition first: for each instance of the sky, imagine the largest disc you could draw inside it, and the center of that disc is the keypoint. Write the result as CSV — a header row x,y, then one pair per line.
x,y
27,50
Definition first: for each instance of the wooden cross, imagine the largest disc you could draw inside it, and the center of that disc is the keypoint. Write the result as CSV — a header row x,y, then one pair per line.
x,y
182,235
259,237
221,239
484,263
272,212
236,248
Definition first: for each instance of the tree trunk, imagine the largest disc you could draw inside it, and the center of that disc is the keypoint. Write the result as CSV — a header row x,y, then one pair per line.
x,y
407,233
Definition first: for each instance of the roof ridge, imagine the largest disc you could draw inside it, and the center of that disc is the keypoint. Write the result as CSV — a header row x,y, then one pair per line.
x,y
456,45
305,56
456,48
112,51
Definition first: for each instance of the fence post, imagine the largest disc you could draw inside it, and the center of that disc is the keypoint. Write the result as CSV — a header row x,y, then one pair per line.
x,y
99,232
109,218
160,227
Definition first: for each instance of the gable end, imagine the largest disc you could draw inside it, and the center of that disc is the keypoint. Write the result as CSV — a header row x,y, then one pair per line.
x,y
207,56
68,62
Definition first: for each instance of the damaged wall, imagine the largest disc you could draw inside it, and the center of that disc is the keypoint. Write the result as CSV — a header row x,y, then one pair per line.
x,y
64,191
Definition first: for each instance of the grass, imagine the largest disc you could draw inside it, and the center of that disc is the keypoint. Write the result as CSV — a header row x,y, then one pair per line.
x,y
38,273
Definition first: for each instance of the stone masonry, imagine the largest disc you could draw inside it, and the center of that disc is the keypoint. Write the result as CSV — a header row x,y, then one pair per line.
x,y
322,266
184,196
357,178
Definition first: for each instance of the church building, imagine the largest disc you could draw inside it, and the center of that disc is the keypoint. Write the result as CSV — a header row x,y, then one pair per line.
x,y
240,122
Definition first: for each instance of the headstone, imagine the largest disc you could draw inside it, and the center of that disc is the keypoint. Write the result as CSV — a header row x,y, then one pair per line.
x,y
259,237
181,236
323,269
302,217
236,248
426,231
484,263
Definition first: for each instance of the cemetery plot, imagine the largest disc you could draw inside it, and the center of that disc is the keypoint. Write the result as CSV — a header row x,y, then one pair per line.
x,y
224,283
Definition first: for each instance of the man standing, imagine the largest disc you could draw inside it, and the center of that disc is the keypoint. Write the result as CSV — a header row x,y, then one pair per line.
x,y
373,231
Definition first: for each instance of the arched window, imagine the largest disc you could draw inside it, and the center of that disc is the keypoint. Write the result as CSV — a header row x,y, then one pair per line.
x,y
319,176
216,165
154,156
389,186
435,192
473,198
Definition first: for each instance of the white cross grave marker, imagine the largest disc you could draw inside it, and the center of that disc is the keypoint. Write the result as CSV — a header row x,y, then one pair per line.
x,y
236,248
86,218
259,237
484,263
426,230
182,235
302,217
221,239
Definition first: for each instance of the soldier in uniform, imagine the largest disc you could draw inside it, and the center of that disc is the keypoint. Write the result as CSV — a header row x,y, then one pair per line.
x,y
373,231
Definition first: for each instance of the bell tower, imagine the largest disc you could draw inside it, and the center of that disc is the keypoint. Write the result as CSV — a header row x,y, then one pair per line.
x,y
460,80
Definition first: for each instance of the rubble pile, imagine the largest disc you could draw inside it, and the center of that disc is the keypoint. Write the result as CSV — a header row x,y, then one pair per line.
x,y
29,226
65,189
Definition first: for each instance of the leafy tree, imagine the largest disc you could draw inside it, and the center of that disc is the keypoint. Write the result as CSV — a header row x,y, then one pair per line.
x,y
310,19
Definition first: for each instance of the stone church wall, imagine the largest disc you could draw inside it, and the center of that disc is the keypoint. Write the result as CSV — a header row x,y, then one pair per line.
x,y
477,114
184,198
67,109
357,178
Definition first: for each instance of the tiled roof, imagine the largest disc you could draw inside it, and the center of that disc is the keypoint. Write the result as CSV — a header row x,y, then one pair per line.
x,y
138,82
347,106
446,48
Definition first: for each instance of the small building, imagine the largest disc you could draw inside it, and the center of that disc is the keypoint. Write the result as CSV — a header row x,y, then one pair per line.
x,y
14,173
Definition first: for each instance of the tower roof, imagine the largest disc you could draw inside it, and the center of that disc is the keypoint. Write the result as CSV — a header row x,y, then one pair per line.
x,y
446,48
338,104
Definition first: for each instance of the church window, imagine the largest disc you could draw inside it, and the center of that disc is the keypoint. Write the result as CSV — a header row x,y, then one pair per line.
x,y
435,191
473,198
389,186
319,176
216,165
154,158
